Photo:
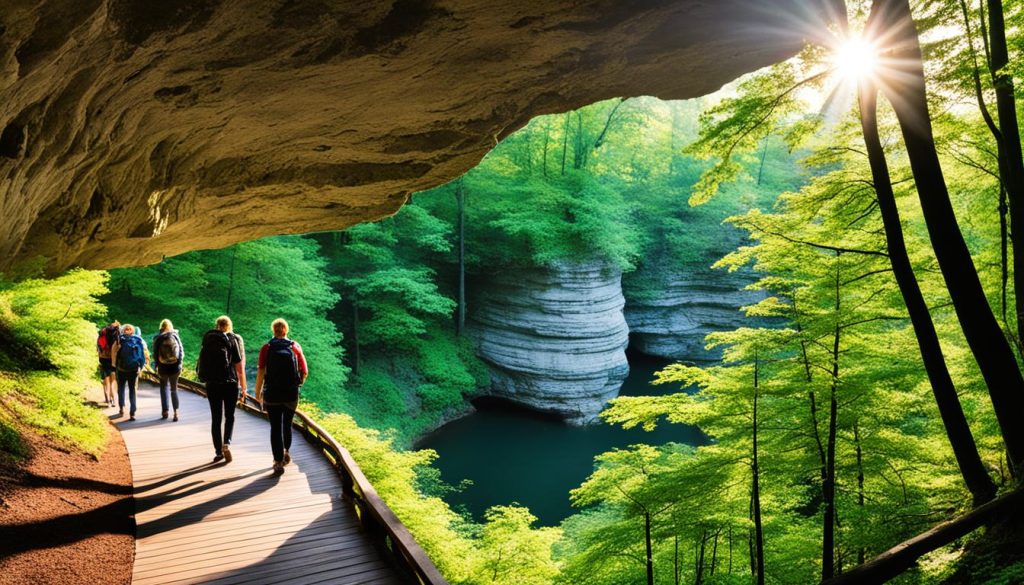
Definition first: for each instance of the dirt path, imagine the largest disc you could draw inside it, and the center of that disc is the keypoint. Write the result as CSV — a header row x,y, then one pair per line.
x,y
67,517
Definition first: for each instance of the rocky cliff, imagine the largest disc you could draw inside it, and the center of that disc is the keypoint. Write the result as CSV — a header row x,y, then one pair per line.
x,y
690,302
554,338
133,129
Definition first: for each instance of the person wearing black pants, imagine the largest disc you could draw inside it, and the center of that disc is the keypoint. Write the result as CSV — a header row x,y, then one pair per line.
x,y
222,367
281,416
280,373
222,398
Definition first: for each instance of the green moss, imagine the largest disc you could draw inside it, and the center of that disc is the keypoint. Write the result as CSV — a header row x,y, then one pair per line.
x,y
11,444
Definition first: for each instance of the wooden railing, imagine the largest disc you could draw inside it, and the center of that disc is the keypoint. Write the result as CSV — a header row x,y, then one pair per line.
x,y
385,530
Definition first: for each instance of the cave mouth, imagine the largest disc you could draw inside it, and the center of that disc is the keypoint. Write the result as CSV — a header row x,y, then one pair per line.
x,y
508,306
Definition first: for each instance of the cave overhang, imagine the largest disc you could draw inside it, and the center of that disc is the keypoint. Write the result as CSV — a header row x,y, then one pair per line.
x,y
131,130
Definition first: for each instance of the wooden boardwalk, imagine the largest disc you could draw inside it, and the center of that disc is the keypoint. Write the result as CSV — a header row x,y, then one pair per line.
x,y
199,522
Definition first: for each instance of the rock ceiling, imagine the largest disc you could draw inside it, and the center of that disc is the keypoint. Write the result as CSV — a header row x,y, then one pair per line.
x,y
135,129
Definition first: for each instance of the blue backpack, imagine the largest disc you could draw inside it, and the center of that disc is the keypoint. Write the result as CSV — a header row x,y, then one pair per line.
x,y
131,355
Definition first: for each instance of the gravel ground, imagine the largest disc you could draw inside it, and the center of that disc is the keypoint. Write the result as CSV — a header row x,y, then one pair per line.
x,y
67,517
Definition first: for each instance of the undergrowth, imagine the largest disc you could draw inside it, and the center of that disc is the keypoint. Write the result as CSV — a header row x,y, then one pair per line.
x,y
48,361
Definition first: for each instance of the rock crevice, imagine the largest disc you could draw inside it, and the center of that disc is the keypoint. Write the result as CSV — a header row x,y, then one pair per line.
x,y
691,302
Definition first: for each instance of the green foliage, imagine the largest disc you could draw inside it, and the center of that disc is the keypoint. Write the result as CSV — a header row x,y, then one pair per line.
x,y
50,358
507,549
11,443
254,283
512,551
407,392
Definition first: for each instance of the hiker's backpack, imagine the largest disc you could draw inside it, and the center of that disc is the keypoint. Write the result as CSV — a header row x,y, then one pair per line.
x,y
105,341
131,356
215,364
282,377
169,349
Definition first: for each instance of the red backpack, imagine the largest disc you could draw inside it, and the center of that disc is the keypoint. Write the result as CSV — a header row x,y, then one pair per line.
x,y
105,341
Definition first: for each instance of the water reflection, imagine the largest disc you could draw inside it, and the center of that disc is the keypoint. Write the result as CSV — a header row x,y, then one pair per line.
x,y
514,455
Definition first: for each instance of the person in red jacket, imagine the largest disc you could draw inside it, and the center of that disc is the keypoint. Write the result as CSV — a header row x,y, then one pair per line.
x,y
280,373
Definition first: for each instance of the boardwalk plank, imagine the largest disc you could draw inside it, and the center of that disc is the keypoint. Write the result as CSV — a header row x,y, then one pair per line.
x,y
233,524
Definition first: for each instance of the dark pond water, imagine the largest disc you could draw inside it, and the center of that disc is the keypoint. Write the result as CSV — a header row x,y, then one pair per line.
x,y
513,455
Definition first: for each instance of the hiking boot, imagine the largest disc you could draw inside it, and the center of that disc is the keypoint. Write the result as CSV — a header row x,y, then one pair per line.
x,y
175,416
217,458
278,468
287,458
163,414
227,454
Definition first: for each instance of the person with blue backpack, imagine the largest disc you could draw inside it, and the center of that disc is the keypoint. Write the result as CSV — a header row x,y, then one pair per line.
x,y
130,356
281,372
169,354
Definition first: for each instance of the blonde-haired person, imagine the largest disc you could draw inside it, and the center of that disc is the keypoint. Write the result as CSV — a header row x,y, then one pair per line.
x,y
169,355
130,356
222,367
281,371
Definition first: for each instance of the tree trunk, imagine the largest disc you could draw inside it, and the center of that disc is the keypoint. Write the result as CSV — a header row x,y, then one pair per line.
x,y
714,552
460,198
905,554
764,155
756,492
355,335
647,541
675,562
578,154
860,482
699,573
565,140
957,430
903,84
547,140
231,281
1012,169
828,486
979,96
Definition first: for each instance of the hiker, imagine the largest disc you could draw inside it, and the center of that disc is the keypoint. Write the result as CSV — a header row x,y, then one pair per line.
x,y
281,371
222,367
130,355
104,345
169,354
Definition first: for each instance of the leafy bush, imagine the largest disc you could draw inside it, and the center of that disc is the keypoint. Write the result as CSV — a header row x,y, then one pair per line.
x,y
50,357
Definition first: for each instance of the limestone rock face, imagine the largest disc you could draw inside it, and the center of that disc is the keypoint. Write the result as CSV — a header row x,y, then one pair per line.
x,y
555,339
134,129
692,302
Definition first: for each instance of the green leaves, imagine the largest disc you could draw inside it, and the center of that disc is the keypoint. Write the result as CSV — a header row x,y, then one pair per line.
x,y
265,279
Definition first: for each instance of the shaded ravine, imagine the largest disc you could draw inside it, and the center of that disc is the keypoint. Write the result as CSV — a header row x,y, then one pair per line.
x,y
512,454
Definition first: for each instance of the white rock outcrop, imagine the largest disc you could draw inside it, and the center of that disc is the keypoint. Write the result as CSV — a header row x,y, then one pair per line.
x,y
555,338
691,303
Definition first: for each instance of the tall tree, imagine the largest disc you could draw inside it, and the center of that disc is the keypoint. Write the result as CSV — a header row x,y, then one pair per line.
x,y
460,199
1008,137
902,82
957,429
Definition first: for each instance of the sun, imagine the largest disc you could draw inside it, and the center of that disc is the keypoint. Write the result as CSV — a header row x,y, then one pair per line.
x,y
855,58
